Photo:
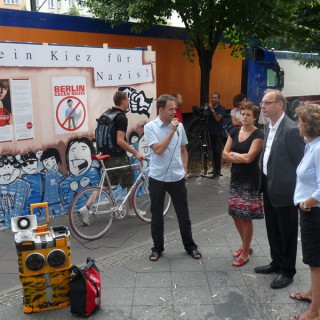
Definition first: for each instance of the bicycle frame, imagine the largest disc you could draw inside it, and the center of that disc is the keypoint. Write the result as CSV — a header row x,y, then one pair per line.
x,y
105,177
94,208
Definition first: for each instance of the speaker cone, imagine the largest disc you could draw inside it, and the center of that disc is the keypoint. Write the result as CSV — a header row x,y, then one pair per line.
x,y
56,258
23,223
35,261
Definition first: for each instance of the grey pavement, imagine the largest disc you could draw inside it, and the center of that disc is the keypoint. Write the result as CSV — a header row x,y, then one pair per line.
x,y
176,286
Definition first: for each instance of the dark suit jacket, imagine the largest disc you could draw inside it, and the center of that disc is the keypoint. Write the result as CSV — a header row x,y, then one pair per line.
x,y
285,155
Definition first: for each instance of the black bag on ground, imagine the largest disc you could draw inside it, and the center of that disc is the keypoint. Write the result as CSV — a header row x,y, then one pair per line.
x,y
105,134
85,289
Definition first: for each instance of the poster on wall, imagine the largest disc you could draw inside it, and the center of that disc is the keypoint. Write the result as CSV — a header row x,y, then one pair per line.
x,y
16,110
22,109
70,104
6,132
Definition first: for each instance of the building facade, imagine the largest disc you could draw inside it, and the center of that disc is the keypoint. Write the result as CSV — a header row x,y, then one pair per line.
x,y
48,6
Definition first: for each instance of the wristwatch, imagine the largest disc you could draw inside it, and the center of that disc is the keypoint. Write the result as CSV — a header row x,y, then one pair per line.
x,y
304,206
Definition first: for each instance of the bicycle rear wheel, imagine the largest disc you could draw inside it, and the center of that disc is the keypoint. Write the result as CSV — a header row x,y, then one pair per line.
x,y
91,213
142,201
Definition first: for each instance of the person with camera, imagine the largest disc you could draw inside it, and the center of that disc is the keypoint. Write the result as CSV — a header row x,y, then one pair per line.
x,y
215,114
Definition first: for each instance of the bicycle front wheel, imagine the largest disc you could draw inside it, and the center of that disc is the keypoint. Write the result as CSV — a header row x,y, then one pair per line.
x,y
142,201
91,213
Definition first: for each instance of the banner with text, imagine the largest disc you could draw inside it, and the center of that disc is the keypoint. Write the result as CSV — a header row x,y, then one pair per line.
x,y
111,67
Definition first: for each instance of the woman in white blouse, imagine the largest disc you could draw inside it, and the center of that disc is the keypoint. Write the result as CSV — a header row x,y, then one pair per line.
x,y
307,198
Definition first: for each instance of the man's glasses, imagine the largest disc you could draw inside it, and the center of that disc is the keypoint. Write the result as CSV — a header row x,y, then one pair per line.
x,y
24,164
267,103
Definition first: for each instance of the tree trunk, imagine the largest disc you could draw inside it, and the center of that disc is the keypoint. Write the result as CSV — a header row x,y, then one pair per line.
x,y
205,62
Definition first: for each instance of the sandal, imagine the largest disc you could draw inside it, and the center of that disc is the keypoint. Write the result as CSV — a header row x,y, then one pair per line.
x,y
195,254
239,262
298,317
237,253
298,296
154,256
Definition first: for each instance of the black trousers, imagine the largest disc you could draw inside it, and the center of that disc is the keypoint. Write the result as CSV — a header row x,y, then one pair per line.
x,y
216,145
310,235
178,192
282,231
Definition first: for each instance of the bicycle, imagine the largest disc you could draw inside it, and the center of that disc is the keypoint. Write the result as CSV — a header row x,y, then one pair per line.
x,y
103,206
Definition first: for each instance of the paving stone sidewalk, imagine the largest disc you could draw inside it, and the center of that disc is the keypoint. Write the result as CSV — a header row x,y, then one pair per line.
x,y
177,286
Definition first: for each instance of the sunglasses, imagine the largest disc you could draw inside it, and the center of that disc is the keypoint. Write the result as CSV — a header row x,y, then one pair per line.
x,y
24,164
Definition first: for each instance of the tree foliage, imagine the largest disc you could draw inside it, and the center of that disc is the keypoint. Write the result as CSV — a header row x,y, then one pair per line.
x,y
209,23
73,11
304,35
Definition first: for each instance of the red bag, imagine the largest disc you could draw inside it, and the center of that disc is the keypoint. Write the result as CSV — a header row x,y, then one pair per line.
x,y
85,289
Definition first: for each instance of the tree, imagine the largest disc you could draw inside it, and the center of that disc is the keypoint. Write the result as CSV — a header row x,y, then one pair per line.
x,y
73,11
304,37
237,23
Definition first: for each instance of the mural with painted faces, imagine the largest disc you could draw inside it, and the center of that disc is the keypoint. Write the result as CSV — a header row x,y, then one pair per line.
x,y
133,141
9,169
144,149
143,146
79,156
50,164
29,163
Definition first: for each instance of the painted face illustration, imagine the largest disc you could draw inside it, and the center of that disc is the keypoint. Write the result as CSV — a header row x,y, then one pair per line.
x,y
8,173
143,147
50,164
79,158
39,154
30,166
134,139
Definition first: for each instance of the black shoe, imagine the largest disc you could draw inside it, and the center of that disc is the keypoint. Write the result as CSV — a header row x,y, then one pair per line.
x,y
219,174
266,269
280,281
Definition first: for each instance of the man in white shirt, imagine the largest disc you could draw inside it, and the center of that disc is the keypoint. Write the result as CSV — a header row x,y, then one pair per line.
x,y
168,167
282,152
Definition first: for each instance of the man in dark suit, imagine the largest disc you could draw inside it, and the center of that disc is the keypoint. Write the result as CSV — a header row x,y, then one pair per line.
x,y
282,152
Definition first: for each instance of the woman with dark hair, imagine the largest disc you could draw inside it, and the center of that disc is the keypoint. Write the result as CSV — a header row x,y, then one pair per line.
x,y
245,203
238,101
307,198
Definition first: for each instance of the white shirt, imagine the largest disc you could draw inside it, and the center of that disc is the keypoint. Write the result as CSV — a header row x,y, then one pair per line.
x,y
167,167
308,174
236,113
271,135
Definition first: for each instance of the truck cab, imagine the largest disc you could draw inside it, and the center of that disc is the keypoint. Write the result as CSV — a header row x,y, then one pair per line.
x,y
301,84
261,71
